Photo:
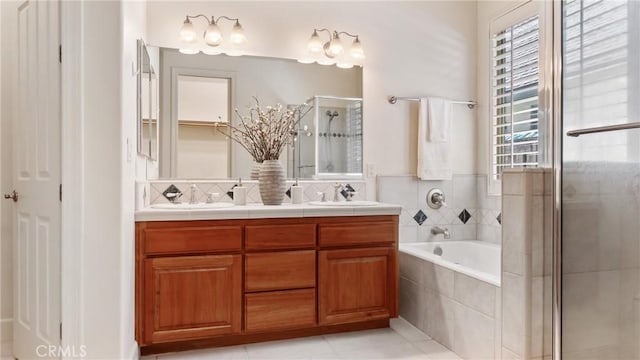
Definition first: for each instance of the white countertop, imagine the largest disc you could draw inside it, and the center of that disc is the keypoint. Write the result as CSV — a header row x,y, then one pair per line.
x,y
259,211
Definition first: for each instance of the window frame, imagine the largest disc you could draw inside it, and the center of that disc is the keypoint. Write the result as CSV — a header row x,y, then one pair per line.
x,y
544,11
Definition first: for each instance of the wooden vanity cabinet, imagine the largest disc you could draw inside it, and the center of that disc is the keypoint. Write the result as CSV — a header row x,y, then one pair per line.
x,y
221,282
356,285
358,281
192,297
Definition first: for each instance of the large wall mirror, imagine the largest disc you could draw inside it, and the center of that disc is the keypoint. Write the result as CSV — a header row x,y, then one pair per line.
x,y
147,104
199,95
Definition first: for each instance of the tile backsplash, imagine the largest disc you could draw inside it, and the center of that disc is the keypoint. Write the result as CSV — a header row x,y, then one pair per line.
x,y
224,189
470,214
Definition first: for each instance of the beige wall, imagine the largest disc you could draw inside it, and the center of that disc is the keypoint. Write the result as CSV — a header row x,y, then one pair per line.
x,y
202,153
412,48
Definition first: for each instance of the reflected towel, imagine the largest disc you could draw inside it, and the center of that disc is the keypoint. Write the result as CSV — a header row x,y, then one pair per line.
x,y
434,145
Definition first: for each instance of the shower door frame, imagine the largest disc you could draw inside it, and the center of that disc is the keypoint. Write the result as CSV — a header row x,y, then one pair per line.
x,y
557,135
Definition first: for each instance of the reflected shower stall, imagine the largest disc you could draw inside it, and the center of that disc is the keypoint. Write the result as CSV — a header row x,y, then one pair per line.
x,y
328,140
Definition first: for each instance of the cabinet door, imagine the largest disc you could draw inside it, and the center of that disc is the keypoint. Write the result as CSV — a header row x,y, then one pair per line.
x,y
356,285
192,297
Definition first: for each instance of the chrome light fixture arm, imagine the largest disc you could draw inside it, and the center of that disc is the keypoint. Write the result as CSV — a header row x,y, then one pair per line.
x,y
189,17
237,20
213,18
346,33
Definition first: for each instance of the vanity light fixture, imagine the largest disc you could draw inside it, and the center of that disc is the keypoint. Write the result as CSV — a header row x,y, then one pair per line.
x,y
213,37
333,51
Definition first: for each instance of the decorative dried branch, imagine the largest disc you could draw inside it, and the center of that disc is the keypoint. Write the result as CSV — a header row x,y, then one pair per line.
x,y
264,133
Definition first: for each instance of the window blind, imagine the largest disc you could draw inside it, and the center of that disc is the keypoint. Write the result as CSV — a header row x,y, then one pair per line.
x,y
515,77
600,76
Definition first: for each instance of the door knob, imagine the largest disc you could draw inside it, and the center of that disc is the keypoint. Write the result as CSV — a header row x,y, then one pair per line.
x,y
13,196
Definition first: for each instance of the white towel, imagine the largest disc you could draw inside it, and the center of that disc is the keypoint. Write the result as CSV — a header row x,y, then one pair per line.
x,y
434,143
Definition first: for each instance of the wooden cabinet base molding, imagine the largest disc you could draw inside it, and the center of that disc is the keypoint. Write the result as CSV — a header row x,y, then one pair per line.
x,y
224,282
231,340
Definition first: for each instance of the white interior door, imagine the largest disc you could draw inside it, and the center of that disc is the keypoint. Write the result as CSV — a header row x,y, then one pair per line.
x,y
36,169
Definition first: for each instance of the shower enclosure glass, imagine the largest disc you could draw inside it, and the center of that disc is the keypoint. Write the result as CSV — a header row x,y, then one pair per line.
x,y
600,180
328,141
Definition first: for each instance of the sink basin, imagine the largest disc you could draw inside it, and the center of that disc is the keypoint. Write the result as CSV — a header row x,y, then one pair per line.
x,y
344,203
187,206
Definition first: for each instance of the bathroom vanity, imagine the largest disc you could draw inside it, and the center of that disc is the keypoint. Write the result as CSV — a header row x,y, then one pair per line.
x,y
239,276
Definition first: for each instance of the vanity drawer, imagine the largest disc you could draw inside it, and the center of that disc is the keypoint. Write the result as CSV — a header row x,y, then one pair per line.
x,y
271,237
280,309
280,270
192,240
365,233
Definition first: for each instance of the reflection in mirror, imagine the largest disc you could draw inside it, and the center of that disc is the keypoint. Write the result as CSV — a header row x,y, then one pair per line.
x,y
335,125
201,90
202,103
147,105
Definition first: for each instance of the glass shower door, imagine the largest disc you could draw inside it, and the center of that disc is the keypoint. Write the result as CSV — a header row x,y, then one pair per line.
x,y
601,180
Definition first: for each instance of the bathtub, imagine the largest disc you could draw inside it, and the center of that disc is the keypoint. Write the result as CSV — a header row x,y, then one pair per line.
x,y
478,259
454,297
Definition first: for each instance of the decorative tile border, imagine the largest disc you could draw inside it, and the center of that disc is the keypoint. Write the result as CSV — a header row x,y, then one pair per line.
x,y
224,190
471,213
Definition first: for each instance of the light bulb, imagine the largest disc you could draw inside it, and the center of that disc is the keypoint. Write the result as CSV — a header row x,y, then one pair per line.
x,y
325,61
344,64
335,47
306,60
213,36
356,51
237,34
315,44
212,50
188,32
189,50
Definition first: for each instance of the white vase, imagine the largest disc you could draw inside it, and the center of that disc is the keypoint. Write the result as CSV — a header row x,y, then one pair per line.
x,y
255,170
272,182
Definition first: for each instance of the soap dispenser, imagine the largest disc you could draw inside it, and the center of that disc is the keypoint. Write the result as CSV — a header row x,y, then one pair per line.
x,y
296,193
240,194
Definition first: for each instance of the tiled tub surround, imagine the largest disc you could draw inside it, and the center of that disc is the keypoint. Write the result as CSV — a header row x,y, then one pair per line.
x,y
457,310
470,213
477,259
526,263
225,189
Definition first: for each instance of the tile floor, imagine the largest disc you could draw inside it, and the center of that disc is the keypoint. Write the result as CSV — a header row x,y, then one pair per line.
x,y
401,341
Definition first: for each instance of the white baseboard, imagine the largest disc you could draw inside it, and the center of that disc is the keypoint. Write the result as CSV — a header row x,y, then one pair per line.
x,y
134,353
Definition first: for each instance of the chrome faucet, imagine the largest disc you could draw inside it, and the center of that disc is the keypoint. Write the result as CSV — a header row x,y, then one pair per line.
x,y
436,230
193,198
174,197
338,189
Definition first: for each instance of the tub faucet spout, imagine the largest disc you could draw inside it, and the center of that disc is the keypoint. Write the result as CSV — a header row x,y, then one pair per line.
x,y
436,230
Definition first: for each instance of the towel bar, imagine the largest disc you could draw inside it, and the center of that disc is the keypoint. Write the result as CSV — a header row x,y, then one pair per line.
x,y
394,99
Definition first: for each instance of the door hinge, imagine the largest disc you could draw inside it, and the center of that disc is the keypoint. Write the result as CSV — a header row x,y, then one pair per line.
x,y
60,54
60,192
60,331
